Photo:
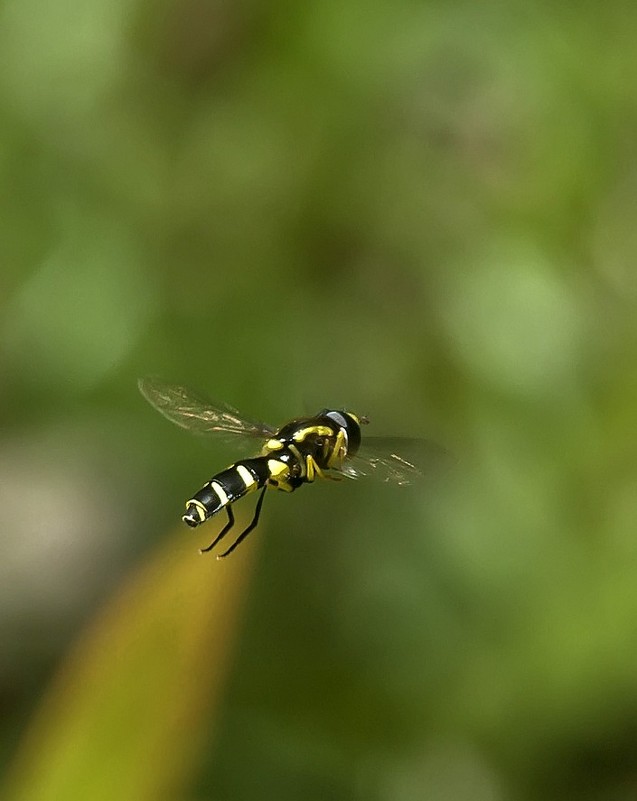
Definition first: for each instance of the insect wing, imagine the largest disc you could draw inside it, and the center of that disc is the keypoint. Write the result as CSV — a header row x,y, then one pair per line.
x,y
396,460
196,413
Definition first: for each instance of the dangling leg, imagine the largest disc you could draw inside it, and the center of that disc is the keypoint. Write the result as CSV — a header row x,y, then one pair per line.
x,y
252,525
223,531
312,470
339,451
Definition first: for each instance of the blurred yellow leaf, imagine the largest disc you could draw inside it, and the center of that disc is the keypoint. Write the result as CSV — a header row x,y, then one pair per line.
x,y
125,717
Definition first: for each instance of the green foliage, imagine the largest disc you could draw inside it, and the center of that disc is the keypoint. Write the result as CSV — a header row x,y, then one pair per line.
x,y
422,211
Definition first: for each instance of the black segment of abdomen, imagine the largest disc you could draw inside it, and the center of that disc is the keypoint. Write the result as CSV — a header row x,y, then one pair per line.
x,y
232,481
209,499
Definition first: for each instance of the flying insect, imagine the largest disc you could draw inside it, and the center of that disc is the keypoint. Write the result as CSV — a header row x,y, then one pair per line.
x,y
327,445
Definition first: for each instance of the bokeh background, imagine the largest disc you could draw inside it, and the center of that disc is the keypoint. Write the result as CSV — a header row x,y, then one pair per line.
x,y
422,211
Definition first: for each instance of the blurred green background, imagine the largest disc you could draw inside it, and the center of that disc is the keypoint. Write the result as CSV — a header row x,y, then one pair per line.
x,y
422,211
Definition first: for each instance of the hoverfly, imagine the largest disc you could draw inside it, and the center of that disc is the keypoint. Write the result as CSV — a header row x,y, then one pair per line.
x,y
327,445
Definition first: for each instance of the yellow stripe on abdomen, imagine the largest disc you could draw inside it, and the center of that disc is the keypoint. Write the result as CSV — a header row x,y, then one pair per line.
x,y
246,476
221,493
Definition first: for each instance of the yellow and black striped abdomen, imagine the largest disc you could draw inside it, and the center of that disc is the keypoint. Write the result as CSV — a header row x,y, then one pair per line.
x,y
225,488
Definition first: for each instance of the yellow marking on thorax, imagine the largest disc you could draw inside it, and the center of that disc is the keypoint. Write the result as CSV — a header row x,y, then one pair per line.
x,y
279,475
319,431
273,445
277,468
221,493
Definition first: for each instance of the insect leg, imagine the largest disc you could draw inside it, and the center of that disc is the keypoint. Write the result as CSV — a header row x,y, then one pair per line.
x,y
339,451
312,470
223,531
252,525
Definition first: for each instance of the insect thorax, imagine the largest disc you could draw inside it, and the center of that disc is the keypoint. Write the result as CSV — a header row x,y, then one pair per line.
x,y
326,439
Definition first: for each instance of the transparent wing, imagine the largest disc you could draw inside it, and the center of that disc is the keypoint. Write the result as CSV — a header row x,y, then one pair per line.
x,y
397,460
196,413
